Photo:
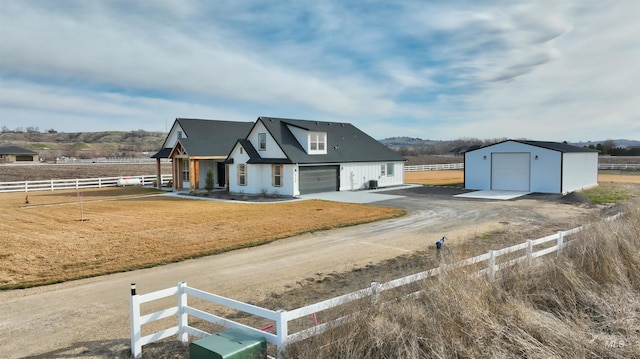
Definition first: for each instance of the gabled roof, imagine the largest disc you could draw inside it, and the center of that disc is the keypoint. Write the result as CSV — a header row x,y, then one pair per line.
x,y
345,142
554,146
15,150
207,137
254,157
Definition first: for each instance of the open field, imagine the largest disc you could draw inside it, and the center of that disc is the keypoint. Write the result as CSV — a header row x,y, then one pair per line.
x,y
94,325
122,229
441,178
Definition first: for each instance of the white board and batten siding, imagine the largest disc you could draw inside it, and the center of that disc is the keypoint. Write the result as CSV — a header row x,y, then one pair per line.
x,y
516,166
580,171
356,176
272,149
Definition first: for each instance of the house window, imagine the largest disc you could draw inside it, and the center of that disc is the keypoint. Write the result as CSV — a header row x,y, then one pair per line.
x,y
242,175
389,169
383,170
317,141
179,134
262,141
185,170
276,175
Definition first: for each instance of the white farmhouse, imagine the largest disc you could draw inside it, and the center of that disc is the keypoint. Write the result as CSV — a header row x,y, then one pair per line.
x,y
531,166
290,157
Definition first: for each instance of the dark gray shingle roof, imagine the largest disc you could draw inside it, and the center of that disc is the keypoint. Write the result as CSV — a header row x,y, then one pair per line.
x,y
254,157
208,137
345,142
15,150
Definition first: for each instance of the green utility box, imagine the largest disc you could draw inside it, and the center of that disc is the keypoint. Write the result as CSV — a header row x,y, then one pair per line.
x,y
229,344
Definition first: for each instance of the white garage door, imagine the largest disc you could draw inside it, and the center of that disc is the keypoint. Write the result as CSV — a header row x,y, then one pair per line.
x,y
510,171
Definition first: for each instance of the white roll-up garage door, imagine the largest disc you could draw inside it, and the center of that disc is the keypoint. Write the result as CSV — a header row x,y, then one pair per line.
x,y
510,171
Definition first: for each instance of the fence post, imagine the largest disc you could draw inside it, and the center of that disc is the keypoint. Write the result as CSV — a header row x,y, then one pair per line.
x,y
77,183
375,286
491,269
282,333
183,317
560,243
99,182
52,188
529,251
136,330
26,186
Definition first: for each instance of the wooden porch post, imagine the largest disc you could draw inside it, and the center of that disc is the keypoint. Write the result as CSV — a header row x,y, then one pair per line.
x,y
193,175
158,174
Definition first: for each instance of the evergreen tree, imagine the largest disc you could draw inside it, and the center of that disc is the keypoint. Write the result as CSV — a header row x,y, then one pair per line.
x,y
209,181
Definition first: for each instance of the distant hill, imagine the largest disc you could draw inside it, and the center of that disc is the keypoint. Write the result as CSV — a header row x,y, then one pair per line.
x,y
86,144
410,142
619,143
140,143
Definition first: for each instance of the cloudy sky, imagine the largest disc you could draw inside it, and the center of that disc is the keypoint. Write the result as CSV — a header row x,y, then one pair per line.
x,y
542,70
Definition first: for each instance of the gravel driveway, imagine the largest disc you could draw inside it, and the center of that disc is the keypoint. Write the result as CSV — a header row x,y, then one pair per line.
x,y
90,318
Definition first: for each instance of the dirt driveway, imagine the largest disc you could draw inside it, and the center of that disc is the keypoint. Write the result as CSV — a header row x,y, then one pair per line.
x,y
90,318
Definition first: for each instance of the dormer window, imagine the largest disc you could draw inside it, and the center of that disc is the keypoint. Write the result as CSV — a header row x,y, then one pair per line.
x,y
317,143
262,141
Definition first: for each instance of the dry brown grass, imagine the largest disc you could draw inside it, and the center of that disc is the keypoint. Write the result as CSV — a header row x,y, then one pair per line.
x,y
586,304
617,177
436,178
44,241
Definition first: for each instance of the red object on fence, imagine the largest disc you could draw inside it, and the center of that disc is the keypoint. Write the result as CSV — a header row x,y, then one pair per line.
x,y
315,319
267,327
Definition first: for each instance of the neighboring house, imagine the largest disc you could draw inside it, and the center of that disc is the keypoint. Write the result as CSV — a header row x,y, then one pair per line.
x,y
14,154
195,146
531,166
289,157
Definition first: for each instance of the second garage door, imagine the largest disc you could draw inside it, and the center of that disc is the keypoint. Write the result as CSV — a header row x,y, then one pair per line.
x,y
315,179
510,171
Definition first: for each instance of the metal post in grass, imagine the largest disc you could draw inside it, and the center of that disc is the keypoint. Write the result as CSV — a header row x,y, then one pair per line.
x,y
80,202
136,330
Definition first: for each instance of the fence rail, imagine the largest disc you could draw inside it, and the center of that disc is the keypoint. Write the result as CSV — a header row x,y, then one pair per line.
x,y
619,166
281,319
78,183
109,160
439,167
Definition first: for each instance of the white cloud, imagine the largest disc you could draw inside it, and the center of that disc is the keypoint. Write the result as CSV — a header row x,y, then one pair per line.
x,y
545,69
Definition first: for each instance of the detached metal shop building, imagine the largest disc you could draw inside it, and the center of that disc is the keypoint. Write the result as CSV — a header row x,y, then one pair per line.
x,y
531,166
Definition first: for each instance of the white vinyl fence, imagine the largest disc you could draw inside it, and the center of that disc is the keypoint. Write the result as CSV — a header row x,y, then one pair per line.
x,y
446,166
78,183
281,318
109,160
619,166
